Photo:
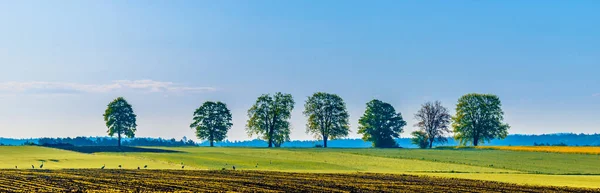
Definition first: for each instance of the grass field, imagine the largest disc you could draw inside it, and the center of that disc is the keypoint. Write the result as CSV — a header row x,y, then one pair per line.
x,y
529,162
553,149
532,168
25,156
83,180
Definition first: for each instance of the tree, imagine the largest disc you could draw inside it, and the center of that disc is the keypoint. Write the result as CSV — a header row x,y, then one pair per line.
x,y
327,116
479,119
120,119
269,118
381,124
434,120
211,121
420,139
281,135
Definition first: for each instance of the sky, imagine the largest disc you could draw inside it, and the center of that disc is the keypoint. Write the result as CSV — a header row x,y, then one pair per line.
x,y
62,62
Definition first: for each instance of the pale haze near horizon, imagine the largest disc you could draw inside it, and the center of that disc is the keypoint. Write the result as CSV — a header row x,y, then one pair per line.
x,y
62,63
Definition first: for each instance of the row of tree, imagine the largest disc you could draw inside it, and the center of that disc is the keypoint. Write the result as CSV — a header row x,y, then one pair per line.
x,y
478,118
106,141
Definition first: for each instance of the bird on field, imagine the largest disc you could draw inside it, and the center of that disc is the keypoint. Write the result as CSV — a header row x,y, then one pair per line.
x,y
256,165
138,167
32,167
103,166
145,166
119,166
233,167
16,167
41,166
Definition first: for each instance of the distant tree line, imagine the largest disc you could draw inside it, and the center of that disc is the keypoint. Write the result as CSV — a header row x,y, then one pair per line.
x,y
479,119
102,141
557,139
548,144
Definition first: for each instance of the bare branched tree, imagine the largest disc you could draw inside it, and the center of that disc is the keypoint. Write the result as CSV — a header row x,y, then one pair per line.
x,y
434,120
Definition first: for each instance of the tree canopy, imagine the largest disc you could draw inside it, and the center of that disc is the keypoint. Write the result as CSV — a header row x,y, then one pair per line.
x,y
211,121
381,124
434,120
120,119
327,116
420,139
269,118
479,118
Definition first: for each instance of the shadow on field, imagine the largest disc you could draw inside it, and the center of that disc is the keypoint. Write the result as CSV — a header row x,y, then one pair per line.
x,y
97,149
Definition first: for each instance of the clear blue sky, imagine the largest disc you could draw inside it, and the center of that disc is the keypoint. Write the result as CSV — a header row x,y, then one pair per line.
x,y
62,62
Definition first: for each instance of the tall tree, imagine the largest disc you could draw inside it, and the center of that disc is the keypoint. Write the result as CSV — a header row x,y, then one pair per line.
x,y
479,119
120,119
381,124
211,121
327,116
420,139
434,120
269,117
281,135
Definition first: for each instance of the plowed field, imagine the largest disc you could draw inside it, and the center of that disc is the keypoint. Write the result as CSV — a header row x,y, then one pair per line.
x,y
114,180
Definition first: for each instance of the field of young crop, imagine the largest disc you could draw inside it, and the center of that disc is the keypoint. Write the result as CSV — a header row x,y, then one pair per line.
x,y
24,157
84,180
553,149
522,161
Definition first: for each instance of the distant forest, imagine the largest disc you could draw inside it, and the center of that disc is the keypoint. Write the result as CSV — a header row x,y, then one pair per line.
x,y
569,139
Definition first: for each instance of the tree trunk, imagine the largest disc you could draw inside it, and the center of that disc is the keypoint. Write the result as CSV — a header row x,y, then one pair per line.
x,y
212,139
119,139
270,137
475,141
324,141
430,144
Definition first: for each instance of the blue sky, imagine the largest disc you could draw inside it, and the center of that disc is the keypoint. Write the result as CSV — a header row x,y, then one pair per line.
x,y
61,63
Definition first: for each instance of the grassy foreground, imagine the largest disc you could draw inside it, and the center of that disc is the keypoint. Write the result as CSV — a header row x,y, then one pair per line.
x,y
83,180
553,149
532,168
23,157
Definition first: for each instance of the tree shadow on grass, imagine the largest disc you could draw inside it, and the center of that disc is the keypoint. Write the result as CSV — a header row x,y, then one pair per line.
x,y
124,149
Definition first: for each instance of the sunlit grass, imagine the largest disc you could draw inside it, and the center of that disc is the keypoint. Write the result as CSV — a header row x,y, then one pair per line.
x,y
25,156
553,149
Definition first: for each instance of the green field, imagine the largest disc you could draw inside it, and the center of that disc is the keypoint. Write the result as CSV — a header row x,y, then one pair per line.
x,y
535,168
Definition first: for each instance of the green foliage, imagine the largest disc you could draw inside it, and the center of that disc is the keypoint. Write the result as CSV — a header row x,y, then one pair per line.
x,y
211,121
433,119
327,116
381,124
420,139
120,119
479,119
269,118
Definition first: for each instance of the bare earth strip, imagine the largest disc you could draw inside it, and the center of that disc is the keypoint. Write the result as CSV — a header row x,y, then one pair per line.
x,y
92,180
